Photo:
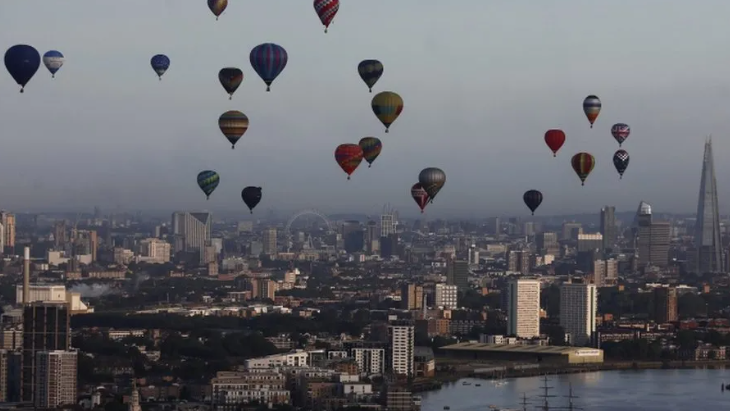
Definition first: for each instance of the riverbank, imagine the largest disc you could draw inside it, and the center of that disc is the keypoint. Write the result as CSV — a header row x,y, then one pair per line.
x,y
505,371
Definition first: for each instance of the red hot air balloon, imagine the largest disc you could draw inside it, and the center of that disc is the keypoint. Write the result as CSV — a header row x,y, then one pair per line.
x,y
326,10
420,196
583,164
348,156
554,140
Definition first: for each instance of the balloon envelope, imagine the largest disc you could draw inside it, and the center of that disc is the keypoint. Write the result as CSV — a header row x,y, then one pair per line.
x,y
348,156
621,162
251,196
233,125
554,140
370,72
620,132
208,180
160,63
420,196
22,62
583,164
268,60
230,78
371,147
592,108
387,106
53,60
432,179
217,7
326,10
532,199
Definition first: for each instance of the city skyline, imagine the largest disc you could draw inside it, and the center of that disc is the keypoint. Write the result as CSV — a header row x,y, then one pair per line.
x,y
113,135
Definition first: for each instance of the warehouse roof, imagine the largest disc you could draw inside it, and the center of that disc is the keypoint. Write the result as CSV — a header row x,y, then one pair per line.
x,y
516,348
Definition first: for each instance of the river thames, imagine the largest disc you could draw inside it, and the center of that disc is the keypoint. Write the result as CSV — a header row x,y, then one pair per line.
x,y
597,391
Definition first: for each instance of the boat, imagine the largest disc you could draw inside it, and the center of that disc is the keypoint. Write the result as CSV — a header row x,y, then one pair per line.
x,y
466,383
446,407
477,385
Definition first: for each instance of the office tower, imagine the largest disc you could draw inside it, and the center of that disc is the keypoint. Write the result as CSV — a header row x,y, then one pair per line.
x,y
519,261
389,245
387,224
588,242
571,231
402,343
608,226
494,226
707,224
457,273
55,378
8,222
578,305
46,327
269,242
653,238
353,236
59,234
523,308
605,272
26,275
154,250
547,243
528,229
665,305
411,296
447,296
372,239
194,229
93,244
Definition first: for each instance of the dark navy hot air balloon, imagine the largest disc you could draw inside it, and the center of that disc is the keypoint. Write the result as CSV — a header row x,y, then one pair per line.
x,y
268,60
22,62
251,196
160,63
533,199
370,72
53,60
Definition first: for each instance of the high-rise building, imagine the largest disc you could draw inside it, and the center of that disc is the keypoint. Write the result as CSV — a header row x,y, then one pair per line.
x,y
523,308
578,305
372,239
707,225
154,250
665,305
402,344
547,243
571,231
457,273
588,242
605,272
46,327
353,236
55,378
411,296
387,224
59,234
93,244
194,229
269,242
8,222
653,238
608,226
446,296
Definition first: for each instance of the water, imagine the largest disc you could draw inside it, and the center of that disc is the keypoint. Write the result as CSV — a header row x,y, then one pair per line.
x,y
664,390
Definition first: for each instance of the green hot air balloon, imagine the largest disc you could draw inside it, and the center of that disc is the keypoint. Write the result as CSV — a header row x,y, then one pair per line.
x,y
208,180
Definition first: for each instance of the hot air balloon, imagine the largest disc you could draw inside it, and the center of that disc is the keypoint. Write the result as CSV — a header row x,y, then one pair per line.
x,y
432,180
420,196
268,60
533,199
554,140
583,164
233,125
621,162
370,72
620,132
387,106
326,10
230,78
160,63
53,60
348,156
592,108
22,62
217,7
208,180
251,196
371,147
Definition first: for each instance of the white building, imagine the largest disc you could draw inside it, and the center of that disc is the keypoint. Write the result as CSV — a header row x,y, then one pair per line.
x,y
578,305
523,316
53,294
447,296
369,361
55,378
298,358
154,250
230,389
402,342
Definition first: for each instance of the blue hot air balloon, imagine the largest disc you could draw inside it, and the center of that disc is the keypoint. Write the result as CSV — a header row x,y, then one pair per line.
x,y
22,62
268,60
160,63
53,60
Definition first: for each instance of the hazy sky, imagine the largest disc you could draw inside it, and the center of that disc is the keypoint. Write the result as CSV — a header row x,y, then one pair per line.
x,y
482,81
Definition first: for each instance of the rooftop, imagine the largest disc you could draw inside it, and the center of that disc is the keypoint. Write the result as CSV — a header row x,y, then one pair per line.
x,y
536,349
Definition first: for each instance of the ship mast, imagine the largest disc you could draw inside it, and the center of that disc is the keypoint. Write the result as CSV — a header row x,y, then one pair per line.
x,y
570,398
525,403
546,394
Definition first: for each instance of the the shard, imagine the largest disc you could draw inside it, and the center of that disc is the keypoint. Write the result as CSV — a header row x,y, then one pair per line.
x,y
707,225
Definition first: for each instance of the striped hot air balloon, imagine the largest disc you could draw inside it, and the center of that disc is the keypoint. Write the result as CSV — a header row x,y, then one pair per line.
x,y
208,180
583,164
387,106
371,147
233,125
592,108
348,157
326,10
268,60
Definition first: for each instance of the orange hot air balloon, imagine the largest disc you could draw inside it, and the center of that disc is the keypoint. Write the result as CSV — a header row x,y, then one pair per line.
x,y
349,156
583,164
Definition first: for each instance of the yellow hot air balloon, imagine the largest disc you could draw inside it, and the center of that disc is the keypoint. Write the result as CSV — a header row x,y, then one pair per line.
x,y
387,106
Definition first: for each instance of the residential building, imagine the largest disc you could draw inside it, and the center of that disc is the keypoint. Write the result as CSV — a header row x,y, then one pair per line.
x,y
55,378
578,307
446,296
523,303
402,343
